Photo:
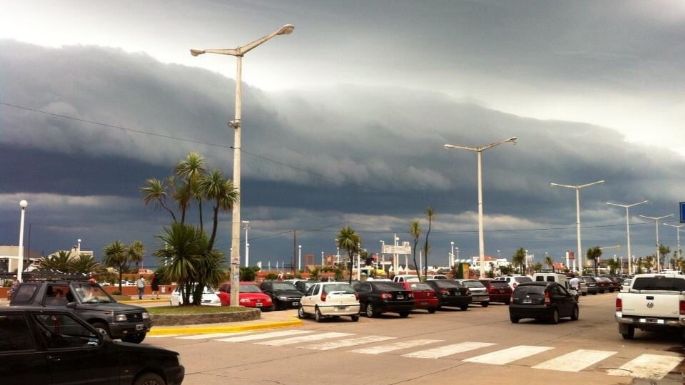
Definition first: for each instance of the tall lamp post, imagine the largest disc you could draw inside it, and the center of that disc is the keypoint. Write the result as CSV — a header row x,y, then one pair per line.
x,y
246,225
20,267
656,223
452,254
579,253
299,257
479,153
677,234
627,207
236,124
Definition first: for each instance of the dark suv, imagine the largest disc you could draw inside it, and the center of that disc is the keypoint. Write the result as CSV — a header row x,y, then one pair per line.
x,y
381,297
542,300
284,295
49,345
87,299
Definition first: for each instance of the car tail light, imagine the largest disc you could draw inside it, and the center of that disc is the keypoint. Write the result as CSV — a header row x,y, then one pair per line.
x,y
444,292
682,307
619,305
323,297
547,299
386,296
411,295
430,294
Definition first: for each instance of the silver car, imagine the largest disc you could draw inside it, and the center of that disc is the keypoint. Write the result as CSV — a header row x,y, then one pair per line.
x,y
479,293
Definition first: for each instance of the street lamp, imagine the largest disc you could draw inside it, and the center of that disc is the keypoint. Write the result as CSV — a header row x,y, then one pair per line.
x,y
380,255
452,254
479,152
299,257
627,207
246,225
236,124
578,188
656,223
20,267
677,233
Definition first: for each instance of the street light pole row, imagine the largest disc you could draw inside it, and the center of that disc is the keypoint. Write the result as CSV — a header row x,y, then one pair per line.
x,y
627,207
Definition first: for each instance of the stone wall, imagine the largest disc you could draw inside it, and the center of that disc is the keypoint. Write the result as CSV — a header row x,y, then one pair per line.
x,y
194,319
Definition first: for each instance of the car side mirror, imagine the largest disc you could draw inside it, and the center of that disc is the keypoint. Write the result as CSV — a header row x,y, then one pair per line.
x,y
71,305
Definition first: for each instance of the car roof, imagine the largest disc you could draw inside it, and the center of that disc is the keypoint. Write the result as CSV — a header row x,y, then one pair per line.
x,y
537,283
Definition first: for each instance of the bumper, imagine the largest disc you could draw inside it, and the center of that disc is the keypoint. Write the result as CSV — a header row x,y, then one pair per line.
x,y
649,322
342,310
120,329
395,307
174,376
455,301
427,303
530,311
500,297
480,298
290,303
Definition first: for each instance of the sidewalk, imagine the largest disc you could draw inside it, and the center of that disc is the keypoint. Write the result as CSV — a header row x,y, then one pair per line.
x,y
268,320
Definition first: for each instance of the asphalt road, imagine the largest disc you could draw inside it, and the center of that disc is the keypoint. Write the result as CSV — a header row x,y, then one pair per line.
x,y
447,347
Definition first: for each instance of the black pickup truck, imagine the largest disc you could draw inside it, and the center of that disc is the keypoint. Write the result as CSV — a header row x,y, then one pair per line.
x,y
88,300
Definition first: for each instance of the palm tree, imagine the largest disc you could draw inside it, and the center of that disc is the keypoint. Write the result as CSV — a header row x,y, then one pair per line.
x,y
415,231
663,253
518,258
192,169
221,191
613,266
349,240
593,254
648,263
136,252
549,262
116,255
57,262
185,247
155,191
426,248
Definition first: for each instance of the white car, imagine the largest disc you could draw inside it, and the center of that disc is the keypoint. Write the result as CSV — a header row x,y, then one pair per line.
x,y
514,281
209,297
329,299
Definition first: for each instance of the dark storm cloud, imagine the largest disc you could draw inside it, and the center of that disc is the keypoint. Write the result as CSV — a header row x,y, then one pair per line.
x,y
313,159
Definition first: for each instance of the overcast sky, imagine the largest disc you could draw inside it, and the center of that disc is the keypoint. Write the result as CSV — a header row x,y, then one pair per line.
x,y
345,119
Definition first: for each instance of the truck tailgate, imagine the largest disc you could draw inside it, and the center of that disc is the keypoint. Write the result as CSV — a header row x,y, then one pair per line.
x,y
653,304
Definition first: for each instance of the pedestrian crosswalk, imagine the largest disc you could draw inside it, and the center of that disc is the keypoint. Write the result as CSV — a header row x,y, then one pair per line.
x,y
647,366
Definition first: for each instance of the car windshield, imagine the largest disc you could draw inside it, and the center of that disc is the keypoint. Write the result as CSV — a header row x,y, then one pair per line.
x,y
473,284
524,290
445,283
386,286
344,287
523,279
499,284
249,289
90,293
420,286
284,286
659,282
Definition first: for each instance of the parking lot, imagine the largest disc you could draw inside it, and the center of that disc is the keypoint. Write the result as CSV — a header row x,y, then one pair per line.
x,y
478,346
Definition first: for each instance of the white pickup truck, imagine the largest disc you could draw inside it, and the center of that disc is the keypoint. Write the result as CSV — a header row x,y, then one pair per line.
x,y
653,302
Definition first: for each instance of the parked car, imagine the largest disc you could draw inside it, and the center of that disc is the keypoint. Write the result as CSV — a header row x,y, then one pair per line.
x,y
625,285
424,296
249,296
283,295
499,291
450,293
49,345
479,293
329,299
405,278
514,280
209,297
303,286
592,287
91,302
604,285
615,282
437,276
377,297
542,300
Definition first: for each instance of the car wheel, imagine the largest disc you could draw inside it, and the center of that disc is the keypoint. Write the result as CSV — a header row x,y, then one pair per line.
x,y
370,311
484,304
439,307
464,307
404,314
149,379
627,331
300,313
583,294
507,302
432,310
101,328
594,293
513,319
317,315
134,339
575,313
555,317
355,318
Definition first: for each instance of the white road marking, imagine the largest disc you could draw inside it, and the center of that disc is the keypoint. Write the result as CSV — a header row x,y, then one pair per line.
x,y
395,346
575,361
162,335
505,356
263,336
210,335
301,339
346,343
448,350
650,366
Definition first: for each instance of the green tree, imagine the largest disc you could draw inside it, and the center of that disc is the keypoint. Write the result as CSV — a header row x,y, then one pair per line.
x,y
663,253
613,265
191,171
57,262
648,263
537,266
349,240
223,195
415,231
155,191
519,258
505,270
248,273
116,256
593,255
430,214
136,252
549,262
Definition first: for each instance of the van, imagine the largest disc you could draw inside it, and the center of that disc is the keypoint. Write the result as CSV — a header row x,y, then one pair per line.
x,y
552,277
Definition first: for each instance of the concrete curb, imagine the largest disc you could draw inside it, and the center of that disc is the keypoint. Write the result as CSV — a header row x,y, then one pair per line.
x,y
222,328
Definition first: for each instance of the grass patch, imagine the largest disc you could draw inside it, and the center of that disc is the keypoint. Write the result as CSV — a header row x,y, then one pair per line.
x,y
186,310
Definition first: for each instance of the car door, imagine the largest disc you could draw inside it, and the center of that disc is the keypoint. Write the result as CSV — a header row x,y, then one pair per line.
x,y
307,301
75,353
22,361
364,290
563,300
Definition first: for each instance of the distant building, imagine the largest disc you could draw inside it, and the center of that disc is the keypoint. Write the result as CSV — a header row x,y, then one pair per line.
x,y
9,261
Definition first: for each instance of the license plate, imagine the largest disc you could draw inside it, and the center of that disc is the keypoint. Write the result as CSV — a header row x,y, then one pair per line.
x,y
258,304
400,297
423,303
295,303
140,327
341,307
527,301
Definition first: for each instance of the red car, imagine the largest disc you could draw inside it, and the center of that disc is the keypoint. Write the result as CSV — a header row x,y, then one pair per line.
x,y
499,291
250,296
424,296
